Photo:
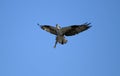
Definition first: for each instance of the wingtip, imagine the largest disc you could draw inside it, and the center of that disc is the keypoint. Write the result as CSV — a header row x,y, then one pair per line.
x,y
87,23
39,25
90,26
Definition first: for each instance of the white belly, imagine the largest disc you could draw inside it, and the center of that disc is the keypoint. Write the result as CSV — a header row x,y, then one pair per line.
x,y
61,39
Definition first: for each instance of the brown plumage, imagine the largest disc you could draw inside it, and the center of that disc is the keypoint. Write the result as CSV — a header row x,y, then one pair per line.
x,y
65,31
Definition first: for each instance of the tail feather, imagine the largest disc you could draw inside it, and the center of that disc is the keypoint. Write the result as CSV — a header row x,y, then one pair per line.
x,y
64,41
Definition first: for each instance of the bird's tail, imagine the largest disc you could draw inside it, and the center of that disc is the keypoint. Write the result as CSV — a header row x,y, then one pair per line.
x,y
64,41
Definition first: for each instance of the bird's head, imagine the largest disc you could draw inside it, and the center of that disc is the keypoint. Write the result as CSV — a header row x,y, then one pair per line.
x,y
57,26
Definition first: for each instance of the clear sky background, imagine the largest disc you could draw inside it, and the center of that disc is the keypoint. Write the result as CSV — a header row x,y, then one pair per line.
x,y
26,50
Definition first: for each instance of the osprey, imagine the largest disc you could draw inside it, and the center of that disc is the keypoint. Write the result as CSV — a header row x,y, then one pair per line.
x,y
65,31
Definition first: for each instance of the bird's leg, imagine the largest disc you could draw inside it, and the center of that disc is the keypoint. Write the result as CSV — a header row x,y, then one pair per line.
x,y
55,44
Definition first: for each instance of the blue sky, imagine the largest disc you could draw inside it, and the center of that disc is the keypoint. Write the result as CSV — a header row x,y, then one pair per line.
x,y
26,50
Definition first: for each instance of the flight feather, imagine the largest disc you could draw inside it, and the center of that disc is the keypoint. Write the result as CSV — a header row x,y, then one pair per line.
x,y
75,29
49,28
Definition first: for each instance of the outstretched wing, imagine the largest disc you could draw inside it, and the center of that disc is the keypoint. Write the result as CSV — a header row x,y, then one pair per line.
x,y
75,29
49,28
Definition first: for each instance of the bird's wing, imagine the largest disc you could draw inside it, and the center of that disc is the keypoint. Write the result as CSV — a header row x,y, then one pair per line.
x,y
49,28
75,29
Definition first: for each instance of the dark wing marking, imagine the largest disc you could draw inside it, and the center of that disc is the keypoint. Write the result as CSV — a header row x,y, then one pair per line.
x,y
49,28
75,29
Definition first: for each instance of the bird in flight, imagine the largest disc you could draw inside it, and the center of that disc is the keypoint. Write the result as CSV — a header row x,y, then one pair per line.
x,y
64,31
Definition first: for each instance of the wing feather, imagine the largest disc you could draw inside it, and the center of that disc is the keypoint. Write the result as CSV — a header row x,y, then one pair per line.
x,y
75,29
49,29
